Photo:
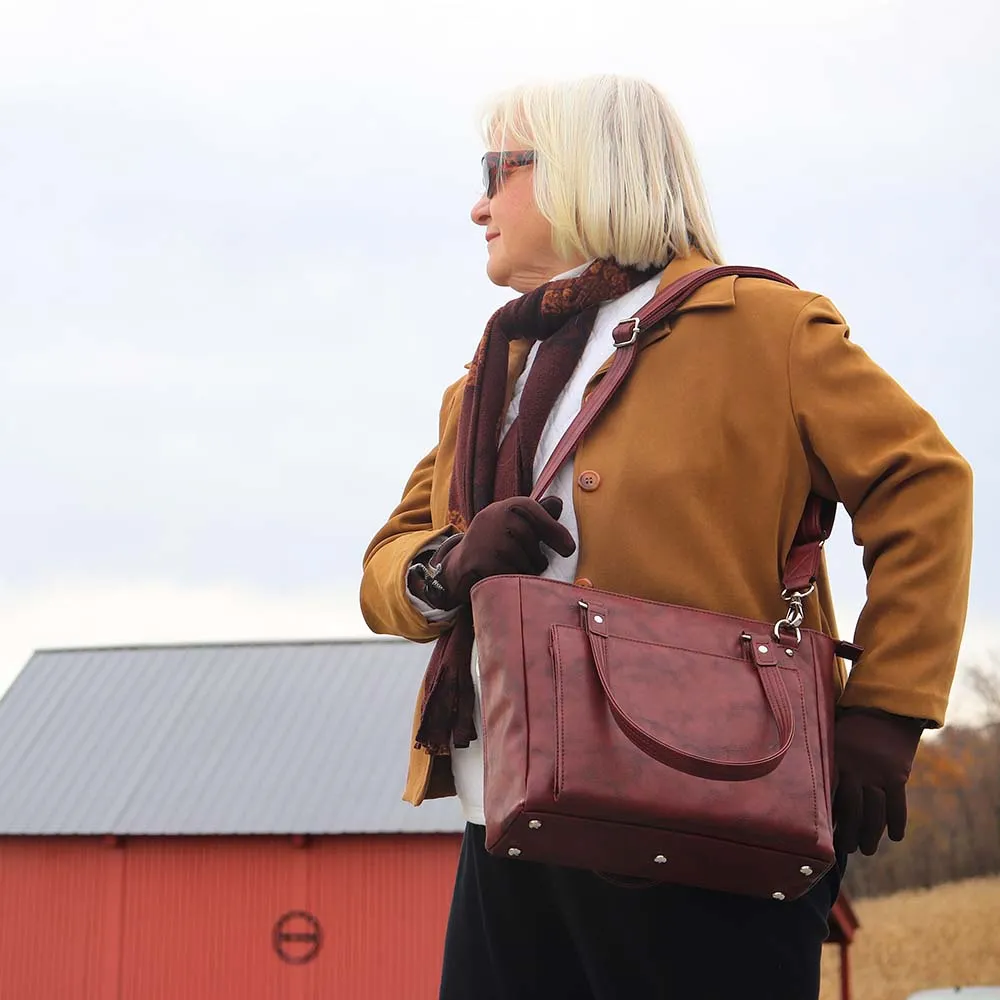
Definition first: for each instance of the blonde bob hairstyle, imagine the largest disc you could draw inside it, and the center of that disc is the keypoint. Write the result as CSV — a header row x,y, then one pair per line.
x,y
615,174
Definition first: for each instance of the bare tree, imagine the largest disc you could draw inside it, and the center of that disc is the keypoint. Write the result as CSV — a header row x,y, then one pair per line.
x,y
985,683
954,803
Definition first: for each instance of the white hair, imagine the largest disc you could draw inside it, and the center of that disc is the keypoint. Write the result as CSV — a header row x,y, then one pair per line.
x,y
615,173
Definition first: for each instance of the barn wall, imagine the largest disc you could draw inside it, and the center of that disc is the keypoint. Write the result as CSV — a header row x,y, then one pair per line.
x,y
385,902
198,915
59,901
193,918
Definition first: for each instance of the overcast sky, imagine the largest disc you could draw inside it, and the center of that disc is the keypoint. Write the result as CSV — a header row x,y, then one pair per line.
x,y
237,268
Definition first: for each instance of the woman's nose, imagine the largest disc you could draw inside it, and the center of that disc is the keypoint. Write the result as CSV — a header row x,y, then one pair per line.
x,y
481,211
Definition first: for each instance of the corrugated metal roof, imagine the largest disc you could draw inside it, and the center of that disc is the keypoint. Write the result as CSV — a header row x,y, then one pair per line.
x,y
244,739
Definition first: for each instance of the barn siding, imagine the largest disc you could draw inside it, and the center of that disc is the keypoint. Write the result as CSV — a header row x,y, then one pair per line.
x,y
54,919
384,903
164,918
198,918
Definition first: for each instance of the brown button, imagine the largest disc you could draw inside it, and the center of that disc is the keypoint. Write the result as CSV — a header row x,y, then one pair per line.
x,y
585,581
589,481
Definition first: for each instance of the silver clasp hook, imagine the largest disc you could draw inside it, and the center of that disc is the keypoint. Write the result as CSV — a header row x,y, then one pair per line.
x,y
796,613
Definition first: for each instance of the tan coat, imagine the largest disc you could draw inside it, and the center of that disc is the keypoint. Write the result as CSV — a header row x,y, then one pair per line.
x,y
705,460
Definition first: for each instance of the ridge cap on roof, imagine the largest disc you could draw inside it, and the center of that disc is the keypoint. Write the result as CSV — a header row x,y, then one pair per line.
x,y
225,644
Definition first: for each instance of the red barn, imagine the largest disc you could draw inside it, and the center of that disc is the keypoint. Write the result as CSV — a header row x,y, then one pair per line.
x,y
213,822
207,822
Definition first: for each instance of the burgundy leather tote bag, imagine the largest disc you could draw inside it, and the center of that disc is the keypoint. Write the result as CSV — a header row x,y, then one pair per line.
x,y
653,741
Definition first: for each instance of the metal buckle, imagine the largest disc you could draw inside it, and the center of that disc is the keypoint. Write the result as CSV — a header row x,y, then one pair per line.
x,y
635,334
429,576
430,572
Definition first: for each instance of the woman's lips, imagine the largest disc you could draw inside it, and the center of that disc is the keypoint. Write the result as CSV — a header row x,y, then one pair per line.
x,y
491,236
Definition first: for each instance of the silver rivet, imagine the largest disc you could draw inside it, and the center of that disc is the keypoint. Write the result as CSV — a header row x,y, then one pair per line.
x,y
598,619
762,649
779,896
514,852
660,859
789,652
535,824
805,870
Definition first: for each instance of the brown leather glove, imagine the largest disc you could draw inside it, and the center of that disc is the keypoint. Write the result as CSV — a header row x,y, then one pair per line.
x,y
874,752
504,537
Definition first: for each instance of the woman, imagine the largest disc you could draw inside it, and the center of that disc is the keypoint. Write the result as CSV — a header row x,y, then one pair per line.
x,y
688,491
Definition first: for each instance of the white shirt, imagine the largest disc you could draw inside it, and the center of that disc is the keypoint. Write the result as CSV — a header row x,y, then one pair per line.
x,y
467,763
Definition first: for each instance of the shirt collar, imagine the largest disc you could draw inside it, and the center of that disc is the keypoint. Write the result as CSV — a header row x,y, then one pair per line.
x,y
573,272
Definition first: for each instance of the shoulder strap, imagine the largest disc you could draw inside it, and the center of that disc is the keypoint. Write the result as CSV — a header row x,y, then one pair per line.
x,y
817,519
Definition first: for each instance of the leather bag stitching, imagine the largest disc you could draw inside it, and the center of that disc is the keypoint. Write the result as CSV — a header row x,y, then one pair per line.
x,y
557,674
809,755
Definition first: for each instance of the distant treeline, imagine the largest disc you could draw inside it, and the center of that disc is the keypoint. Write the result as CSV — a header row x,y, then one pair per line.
x,y
953,798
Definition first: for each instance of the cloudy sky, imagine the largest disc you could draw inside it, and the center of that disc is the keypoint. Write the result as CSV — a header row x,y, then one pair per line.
x,y
237,269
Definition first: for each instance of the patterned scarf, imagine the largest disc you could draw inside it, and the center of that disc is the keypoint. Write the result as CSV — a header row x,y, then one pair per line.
x,y
560,313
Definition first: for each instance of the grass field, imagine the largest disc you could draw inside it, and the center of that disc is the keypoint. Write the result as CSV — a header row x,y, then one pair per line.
x,y
946,936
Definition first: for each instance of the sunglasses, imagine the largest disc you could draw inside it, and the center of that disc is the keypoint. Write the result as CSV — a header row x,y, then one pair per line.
x,y
496,165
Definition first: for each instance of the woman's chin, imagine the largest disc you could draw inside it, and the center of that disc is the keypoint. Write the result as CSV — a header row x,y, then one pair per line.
x,y
497,270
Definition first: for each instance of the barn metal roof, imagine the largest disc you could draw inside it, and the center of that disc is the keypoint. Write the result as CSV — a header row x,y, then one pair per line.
x,y
305,737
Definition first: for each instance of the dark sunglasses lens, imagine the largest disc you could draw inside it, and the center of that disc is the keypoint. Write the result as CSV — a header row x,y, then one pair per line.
x,y
490,174
494,164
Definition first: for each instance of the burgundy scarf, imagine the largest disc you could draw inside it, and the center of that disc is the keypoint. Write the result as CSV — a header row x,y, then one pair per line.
x,y
561,313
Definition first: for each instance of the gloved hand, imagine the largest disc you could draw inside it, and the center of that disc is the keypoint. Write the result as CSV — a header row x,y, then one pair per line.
x,y
503,537
874,752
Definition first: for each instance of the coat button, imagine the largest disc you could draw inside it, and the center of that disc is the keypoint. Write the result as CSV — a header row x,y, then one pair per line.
x,y
589,481
584,581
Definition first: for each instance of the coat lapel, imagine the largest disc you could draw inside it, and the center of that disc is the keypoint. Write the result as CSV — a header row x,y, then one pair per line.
x,y
717,294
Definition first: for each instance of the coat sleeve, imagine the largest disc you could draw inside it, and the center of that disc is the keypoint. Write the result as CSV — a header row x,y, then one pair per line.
x,y
909,495
385,603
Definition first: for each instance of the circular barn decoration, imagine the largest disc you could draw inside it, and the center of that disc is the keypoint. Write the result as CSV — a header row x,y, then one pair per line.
x,y
297,937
